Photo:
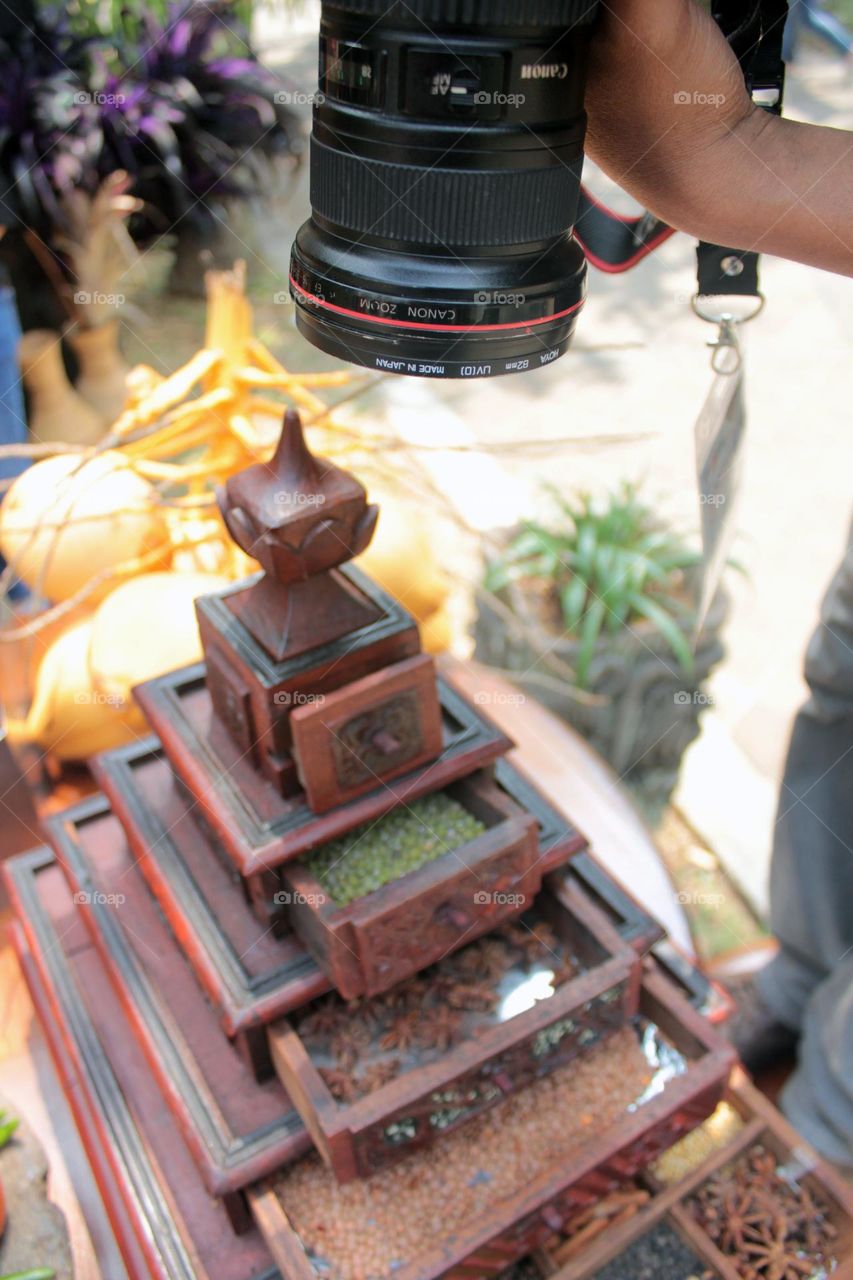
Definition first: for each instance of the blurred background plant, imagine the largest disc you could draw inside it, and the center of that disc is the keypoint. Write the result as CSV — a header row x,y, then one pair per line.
x,y
593,612
603,565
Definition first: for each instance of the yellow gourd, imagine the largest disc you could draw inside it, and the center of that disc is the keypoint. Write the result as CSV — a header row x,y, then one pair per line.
x,y
146,627
69,717
437,631
402,558
65,520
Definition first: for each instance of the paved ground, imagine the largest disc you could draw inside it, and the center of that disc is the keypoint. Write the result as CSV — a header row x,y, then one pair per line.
x,y
640,366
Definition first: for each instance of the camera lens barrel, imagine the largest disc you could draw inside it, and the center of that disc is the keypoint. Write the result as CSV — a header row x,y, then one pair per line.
x,y
446,156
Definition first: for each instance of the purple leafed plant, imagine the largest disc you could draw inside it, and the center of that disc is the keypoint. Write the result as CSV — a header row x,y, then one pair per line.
x,y
184,106
50,136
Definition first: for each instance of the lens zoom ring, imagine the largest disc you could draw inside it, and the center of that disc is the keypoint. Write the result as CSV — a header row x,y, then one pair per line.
x,y
479,13
442,206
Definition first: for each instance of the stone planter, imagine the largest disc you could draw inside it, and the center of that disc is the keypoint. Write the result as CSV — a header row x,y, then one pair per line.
x,y
643,711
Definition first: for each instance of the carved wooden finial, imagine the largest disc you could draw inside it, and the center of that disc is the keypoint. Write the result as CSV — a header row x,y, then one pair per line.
x,y
293,462
298,514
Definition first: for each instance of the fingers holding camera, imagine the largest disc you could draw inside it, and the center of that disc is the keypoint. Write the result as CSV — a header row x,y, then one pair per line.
x,y
671,122
663,86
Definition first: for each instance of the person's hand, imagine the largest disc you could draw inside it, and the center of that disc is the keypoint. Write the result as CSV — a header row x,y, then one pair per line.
x,y
663,87
671,122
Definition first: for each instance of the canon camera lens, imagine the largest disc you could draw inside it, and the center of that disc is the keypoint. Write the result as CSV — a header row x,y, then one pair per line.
x,y
446,159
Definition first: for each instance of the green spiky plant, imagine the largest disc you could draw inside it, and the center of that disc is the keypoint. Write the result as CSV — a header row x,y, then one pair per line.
x,y
36,1273
8,1125
610,563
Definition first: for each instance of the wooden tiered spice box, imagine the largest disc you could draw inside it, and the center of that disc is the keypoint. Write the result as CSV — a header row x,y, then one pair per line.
x,y
369,944
495,1086
470,1031
481,1244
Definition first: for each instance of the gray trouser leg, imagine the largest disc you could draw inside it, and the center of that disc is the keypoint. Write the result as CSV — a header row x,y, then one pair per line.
x,y
810,984
818,1099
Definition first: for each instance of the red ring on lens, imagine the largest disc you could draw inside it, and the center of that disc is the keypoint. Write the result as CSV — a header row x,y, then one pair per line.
x,y
431,328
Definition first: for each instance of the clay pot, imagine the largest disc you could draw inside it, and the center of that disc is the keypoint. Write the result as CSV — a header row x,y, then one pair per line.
x,y
646,711
56,410
102,380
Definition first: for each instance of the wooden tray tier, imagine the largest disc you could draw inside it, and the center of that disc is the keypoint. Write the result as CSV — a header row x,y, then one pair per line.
x,y
385,936
236,1128
165,1222
632,922
257,826
417,1108
483,1247
762,1125
250,976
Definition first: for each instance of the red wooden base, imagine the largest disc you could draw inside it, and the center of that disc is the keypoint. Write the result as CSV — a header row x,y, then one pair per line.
x,y
165,1222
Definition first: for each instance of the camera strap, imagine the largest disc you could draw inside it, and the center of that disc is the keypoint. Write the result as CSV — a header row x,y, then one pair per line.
x,y
728,295
615,242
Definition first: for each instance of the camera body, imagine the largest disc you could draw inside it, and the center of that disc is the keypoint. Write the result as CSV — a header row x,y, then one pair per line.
x,y
446,158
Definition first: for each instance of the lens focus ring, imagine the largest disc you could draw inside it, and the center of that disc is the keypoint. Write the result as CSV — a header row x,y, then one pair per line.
x,y
442,206
476,13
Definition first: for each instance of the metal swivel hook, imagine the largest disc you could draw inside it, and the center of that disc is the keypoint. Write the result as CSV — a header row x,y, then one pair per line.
x,y
727,340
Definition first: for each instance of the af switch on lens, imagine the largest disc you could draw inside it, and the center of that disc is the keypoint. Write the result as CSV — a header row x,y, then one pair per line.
x,y
443,87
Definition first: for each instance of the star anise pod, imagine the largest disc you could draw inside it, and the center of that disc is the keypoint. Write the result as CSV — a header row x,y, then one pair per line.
x,y
564,971
322,1021
344,1050
536,942
775,1258
771,1227
468,962
340,1084
437,1029
365,1012
402,1033
472,996
398,998
495,959
379,1074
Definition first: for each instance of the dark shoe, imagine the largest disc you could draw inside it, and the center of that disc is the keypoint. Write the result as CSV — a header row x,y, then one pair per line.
x,y
761,1041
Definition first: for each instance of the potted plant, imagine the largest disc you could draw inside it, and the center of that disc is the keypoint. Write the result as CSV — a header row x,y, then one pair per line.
x,y
593,613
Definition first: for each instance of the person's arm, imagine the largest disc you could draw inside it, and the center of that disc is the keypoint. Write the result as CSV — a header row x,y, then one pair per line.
x,y
670,121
